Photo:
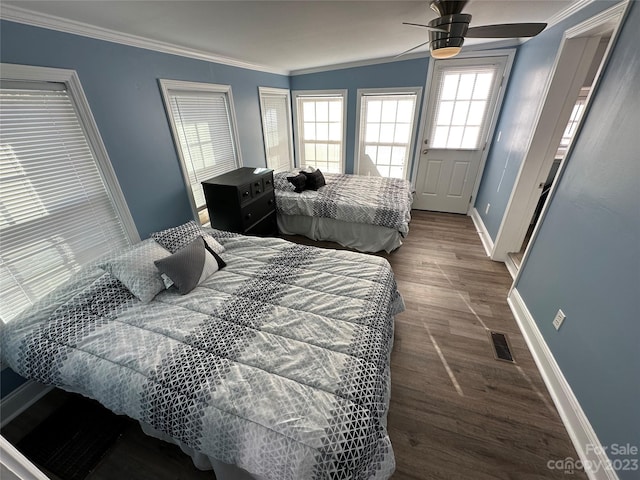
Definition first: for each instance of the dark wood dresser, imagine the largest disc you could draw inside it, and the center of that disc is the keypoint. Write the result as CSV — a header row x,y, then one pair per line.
x,y
242,201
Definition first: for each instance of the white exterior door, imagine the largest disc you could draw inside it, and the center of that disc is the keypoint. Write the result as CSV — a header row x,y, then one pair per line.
x,y
460,108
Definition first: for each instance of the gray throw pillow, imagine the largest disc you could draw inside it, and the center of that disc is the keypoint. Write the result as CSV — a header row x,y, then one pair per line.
x,y
191,265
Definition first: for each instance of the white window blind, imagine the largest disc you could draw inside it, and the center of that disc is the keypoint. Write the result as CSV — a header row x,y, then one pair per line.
x,y
203,124
320,130
386,132
276,128
460,116
55,210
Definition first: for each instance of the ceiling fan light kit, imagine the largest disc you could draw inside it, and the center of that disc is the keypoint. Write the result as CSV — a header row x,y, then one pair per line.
x,y
447,41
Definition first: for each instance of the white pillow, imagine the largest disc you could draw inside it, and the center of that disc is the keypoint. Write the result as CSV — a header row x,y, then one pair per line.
x,y
136,269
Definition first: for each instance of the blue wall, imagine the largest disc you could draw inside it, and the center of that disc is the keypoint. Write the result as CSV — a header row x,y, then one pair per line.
x,y
586,256
585,259
406,73
121,84
529,75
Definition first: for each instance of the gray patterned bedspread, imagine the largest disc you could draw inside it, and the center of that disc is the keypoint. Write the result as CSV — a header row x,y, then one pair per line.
x,y
351,198
278,363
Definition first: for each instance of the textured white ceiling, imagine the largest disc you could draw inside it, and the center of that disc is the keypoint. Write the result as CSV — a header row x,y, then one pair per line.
x,y
285,35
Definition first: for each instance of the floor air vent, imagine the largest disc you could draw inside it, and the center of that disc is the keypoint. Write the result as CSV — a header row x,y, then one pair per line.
x,y
501,347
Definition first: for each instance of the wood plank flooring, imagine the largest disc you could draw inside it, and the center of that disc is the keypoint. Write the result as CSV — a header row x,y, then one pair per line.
x,y
456,412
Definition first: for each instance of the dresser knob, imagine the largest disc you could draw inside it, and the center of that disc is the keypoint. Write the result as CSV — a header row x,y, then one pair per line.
x,y
270,202
268,182
248,216
245,194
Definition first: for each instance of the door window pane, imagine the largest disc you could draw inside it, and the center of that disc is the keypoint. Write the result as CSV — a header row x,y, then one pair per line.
x,y
461,107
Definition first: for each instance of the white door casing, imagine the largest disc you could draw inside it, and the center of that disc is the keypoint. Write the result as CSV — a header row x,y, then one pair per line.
x,y
460,107
573,59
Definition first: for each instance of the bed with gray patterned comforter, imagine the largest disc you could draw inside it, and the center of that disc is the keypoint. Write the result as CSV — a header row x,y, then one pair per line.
x,y
279,363
381,201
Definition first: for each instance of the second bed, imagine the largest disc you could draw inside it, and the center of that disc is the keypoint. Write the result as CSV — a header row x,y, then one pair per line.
x,y
368,214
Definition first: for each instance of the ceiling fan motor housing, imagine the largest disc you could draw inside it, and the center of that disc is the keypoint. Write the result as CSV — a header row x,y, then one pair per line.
x,y
456,26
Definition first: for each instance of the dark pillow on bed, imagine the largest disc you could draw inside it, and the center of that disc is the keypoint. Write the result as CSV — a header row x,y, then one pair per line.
x,y
315,179
191,265
299,181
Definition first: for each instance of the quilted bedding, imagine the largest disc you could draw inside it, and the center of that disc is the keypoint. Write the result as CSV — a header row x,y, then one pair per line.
x,y
278,363
381,201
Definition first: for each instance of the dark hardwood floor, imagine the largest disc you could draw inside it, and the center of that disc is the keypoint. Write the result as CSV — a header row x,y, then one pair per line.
x,y
456,412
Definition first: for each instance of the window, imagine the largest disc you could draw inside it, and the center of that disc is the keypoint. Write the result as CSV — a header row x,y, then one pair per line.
x,y
320,123
572,124
60,204
386,134
203,124
275,109
464,94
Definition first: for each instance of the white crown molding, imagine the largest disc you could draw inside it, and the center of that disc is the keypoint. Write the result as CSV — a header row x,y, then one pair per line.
x,y
51,22
411,56
358,63
567,12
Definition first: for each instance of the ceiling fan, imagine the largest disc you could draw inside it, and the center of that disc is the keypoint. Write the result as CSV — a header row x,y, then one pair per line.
x,y
448,31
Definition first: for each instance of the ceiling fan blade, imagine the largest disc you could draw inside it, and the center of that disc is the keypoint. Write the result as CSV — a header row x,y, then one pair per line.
x,y
410,50
506,30
433,29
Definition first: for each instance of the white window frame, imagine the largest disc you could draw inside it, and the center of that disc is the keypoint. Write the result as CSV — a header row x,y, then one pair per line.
x,y
297,119
71,80
417,91
26,74
166,86
277,91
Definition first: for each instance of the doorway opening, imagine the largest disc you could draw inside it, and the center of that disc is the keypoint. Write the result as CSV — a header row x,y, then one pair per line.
x,y
583,52
568,133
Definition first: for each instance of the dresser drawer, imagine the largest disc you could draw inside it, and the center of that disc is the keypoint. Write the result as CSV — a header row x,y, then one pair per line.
x,y
257,187
268,183
257,209
244,193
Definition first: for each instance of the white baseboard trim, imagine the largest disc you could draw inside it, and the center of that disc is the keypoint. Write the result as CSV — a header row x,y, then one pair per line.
x,y
584,438
20,399
483,233
511,266
15,465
